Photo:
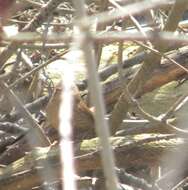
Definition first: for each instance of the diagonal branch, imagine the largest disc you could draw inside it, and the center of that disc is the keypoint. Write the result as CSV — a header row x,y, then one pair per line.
x,y
36,131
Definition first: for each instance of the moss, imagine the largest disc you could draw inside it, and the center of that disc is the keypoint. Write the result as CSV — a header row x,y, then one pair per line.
x,y
160,100
93,144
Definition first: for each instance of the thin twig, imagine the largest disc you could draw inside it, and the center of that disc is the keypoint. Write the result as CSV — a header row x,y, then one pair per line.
x,y
135,181
179,103
105,37
133,19
96,96
132,9
155,51
36,69
180,184
36,22
65,130
38,135
39,5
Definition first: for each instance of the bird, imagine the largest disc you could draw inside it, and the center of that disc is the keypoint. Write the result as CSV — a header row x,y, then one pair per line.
x,y
82,119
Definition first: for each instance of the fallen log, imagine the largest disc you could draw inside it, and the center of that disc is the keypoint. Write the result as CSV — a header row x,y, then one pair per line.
x,y
42,164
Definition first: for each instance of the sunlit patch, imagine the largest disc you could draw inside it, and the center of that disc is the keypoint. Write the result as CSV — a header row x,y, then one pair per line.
x,y
73,60
10,30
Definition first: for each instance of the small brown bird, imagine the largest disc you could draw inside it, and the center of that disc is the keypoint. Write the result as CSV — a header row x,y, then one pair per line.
x,y
83,120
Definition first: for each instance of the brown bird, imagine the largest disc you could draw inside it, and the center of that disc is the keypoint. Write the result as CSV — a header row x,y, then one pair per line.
x,y
83,120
